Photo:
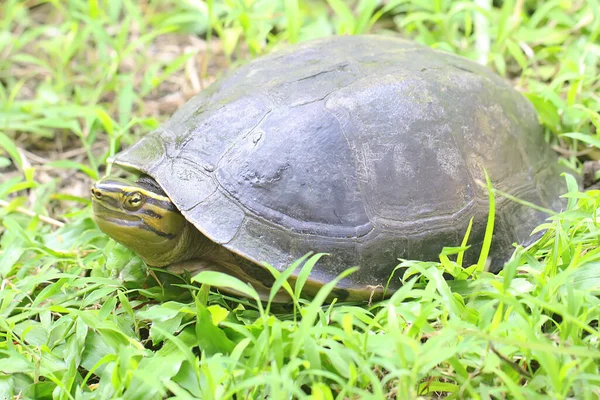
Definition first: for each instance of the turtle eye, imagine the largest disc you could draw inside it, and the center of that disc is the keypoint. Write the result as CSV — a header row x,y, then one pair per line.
x,y
133,201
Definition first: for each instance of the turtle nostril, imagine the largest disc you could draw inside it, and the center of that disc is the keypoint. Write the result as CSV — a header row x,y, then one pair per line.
x,y
96,193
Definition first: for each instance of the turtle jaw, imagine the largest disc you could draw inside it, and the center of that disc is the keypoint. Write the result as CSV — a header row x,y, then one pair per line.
x,y
146,222
128,230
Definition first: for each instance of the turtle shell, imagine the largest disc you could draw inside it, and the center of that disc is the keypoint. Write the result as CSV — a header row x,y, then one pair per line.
x,y
369,148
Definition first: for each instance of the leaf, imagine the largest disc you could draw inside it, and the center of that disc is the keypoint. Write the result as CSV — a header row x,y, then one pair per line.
x,y
218,313
489,229
12,251
230,38
172,67
15,363
17,230
211,339
125,99
312,310
311,353
123,262
594,116
305,272
582,137
7,144
547,111
70,164
7,387
4,162
365,9
516,52
586,278
345,14
572,188
321,391
281,279
221,280
464,243
294,19
107,122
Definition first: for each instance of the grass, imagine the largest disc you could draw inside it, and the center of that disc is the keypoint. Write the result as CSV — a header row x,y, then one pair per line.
x,y
81,318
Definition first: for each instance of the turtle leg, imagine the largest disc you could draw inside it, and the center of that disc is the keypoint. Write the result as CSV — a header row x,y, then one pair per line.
x,y
231,264
222,260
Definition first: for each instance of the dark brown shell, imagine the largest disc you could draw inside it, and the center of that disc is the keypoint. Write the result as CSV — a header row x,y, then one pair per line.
x,y
365,147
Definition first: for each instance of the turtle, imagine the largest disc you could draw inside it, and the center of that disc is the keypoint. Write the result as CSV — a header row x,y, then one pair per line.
x,y
370,149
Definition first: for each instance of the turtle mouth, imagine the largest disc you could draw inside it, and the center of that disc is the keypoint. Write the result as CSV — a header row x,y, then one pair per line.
x,y
116,222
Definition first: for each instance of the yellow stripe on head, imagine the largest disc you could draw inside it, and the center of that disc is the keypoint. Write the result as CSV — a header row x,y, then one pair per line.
x,y
138,217
113,186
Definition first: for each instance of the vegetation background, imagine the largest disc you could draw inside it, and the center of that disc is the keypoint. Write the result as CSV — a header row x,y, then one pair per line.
x,y
80,318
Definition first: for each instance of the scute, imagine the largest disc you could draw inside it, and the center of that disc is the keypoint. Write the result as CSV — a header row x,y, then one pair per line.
x,y
312,162
368,148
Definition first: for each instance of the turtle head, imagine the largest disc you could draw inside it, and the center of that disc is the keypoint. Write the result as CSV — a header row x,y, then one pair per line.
x,y
141,216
